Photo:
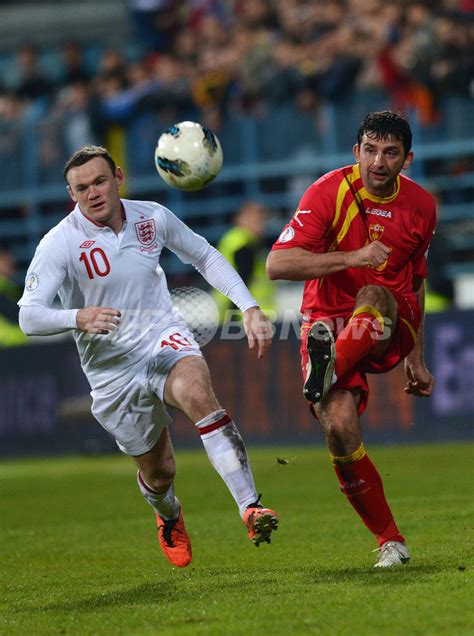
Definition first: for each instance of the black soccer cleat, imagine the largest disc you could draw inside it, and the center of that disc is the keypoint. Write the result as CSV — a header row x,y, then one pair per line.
x,y
321,361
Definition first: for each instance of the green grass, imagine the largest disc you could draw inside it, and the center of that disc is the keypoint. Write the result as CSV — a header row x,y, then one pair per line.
x,y
79,553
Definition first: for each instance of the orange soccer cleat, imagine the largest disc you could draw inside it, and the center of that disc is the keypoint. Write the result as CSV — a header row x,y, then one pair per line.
x,y
260,522
174,540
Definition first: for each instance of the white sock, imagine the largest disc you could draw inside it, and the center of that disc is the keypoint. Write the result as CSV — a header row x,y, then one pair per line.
x,y
164,503
226,451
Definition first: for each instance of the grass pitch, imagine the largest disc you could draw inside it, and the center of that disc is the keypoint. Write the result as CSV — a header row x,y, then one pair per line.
x,y
79,553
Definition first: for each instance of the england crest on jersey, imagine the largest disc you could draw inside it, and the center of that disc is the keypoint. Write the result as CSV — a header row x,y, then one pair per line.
x,y
146,232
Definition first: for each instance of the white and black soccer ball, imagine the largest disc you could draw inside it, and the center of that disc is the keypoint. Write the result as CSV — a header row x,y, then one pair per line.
x,y
199,311
188,156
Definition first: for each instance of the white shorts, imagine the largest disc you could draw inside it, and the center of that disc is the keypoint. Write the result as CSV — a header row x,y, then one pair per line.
x,y
134,412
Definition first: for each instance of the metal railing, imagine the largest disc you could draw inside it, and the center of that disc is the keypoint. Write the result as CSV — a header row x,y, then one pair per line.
x,y
272,168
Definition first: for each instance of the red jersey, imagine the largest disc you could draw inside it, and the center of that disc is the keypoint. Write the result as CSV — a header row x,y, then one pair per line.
x,y
337,213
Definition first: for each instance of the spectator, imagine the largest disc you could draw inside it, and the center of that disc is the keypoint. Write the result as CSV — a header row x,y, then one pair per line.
x,y
73,67
282,80
75,108
185,50
155,22
452,69
173,94
12,116
226,52
10,293
214,80
243,246
335,76
31,82
254,50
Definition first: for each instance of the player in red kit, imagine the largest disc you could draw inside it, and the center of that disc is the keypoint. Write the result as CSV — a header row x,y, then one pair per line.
x,y
359,239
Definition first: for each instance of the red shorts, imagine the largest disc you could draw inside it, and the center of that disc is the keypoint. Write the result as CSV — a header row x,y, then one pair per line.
x,y
403,341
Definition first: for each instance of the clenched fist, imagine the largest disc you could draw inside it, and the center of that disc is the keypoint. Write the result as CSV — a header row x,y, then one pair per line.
x,y
372,255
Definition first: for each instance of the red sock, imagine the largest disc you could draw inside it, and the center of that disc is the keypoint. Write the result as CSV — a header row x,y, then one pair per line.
x,y
362,485
358,337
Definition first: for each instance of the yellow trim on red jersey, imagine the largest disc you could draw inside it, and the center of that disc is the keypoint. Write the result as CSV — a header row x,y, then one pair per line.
x,y
352,212
349,459
372,197
344,187
353,209
366,195
410,328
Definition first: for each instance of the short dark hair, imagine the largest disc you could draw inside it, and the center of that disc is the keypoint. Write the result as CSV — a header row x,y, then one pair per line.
x,y
384,125
85,154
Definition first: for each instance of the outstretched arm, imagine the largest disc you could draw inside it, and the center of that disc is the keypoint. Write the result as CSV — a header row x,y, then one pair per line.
x,y
219,273
222,276
297,263
420,381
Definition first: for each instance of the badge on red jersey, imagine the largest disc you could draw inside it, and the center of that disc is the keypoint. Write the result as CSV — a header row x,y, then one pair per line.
x,y
287,234
146,232
375,231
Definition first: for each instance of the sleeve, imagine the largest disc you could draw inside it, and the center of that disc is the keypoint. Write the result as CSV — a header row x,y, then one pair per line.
x,y
214,268
44,277
45,321
420,256
46,272
310,223
188,246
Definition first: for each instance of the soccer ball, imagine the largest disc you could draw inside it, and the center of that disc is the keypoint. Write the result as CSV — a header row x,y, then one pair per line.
x,y
199,311
188,156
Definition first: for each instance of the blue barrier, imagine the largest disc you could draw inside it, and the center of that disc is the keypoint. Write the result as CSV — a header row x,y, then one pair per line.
x,y
45,401
272,157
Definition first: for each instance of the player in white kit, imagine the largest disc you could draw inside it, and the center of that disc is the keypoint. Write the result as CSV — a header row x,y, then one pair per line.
x,y
102,260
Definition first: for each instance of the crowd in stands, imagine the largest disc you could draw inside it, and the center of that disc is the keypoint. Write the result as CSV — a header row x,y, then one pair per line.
x,y
214,57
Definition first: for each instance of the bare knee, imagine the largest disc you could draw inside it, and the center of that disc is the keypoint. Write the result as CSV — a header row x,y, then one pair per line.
x,y
340,423
378,297
189,389
198,402
341,438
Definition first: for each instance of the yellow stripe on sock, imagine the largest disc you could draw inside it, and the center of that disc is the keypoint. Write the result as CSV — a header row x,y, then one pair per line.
x,y
368,309
349,459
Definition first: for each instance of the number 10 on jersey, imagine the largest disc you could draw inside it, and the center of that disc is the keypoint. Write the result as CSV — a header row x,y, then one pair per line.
x,y
96,262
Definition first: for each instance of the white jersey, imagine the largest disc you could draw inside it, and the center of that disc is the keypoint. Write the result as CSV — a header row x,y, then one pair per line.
x,y
88,264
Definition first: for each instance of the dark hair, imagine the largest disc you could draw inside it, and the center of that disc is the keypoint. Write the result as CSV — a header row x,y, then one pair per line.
x,y
85,154
385,125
